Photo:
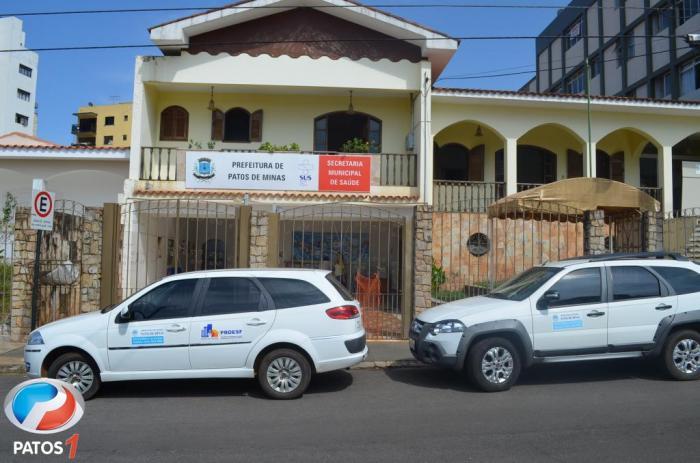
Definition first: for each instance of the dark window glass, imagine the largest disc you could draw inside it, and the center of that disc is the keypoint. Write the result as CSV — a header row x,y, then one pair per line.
x,y
231,295
344,293
109,120
169,300
25,70
634,283
683,280
237,125
287,292
579,287
523,285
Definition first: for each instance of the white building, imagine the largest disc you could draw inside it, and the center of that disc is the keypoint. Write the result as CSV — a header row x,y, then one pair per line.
x,y
18,77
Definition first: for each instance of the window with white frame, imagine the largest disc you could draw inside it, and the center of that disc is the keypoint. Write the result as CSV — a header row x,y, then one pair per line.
x,y
690,77
687,9
23,95
576,83
662,86
25,70
573,34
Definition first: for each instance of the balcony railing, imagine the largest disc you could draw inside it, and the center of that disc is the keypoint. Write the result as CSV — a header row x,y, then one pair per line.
x,y
167,164
528,186
464,196
654,192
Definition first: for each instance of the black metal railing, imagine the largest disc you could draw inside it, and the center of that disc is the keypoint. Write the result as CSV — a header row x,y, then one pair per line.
x,y
465,196
654,192
528,186
165,164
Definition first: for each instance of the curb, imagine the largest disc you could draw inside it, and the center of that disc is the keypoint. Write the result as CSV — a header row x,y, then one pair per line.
x,y
408,363
380,364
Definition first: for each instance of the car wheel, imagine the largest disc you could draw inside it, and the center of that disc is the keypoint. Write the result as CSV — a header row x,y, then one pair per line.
x,y
284,374
77,370
493,364
682,355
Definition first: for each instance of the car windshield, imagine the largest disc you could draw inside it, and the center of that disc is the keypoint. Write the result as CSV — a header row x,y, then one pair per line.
x,y
523,285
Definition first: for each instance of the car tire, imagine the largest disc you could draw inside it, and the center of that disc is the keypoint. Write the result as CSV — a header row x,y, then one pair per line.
x,y
493,364
681,355
284,374
76,369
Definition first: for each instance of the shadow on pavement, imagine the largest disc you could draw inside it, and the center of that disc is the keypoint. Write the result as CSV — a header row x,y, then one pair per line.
x,y
543,374
320,384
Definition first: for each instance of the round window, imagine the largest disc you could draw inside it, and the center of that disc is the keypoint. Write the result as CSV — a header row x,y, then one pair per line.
x,y
478,244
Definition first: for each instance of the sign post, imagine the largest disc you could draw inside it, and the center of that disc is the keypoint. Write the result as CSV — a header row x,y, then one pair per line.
x,y
41,219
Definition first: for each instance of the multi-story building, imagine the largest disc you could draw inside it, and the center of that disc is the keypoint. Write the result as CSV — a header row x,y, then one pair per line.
x,y
635,48
18,77
103,125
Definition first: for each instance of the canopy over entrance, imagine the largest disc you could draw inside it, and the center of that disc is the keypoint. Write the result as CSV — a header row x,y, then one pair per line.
x,y
582,194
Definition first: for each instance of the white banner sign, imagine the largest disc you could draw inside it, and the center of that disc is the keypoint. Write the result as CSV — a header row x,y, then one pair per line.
x,y
251,171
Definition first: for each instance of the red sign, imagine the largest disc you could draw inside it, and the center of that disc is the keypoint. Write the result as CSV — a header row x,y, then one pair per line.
x,y
43,204
344,173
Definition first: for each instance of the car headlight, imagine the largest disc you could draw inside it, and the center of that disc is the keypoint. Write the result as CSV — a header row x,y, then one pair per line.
x,y
449,326
35,339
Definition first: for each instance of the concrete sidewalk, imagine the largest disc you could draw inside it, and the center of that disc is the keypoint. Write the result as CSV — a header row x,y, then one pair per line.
x,y
382,354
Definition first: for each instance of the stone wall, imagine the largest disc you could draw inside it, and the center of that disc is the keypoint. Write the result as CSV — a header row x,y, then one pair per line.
x,y
594,233
653,231
74,246
258,238
423,258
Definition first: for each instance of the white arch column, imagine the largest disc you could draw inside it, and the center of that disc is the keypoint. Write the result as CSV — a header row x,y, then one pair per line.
x,y
589,164
510,161
665,169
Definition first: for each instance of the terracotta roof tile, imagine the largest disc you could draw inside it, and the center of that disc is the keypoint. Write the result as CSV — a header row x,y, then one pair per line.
x,y
65,147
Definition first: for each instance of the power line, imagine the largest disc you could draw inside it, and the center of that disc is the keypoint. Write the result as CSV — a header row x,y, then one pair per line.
x,y
378,5
506,74
268,42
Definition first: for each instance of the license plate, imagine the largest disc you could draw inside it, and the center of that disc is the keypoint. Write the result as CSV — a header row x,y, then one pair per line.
x,y
411,343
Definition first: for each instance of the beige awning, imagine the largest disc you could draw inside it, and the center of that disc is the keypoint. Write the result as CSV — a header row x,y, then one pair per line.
x,y
576,195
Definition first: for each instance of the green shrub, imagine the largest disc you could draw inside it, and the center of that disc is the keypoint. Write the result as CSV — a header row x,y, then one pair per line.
x,y
438,277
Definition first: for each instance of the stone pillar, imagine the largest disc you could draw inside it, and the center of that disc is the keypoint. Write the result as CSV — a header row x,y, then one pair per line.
x,y
22,259
423,263
652,231
91,268
510,158
593,233
258,238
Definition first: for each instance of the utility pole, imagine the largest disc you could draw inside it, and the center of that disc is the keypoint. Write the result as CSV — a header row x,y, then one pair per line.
x,y
588,108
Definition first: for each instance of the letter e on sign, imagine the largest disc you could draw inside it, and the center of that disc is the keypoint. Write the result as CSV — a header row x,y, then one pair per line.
x,y
42,210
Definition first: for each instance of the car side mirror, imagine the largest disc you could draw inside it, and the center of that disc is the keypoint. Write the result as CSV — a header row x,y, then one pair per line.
x,y
125,313
547,298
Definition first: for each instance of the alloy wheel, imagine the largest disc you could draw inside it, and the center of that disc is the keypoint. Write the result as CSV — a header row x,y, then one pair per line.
x,y
497,365
686,356
284,374
77,373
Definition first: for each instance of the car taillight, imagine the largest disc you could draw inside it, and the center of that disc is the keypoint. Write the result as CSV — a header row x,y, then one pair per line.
x,y
344,312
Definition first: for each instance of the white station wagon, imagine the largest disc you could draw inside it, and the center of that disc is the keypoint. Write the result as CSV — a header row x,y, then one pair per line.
x,y
280,326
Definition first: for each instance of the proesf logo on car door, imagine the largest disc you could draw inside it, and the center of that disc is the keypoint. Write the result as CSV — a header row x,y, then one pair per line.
x,y
210,333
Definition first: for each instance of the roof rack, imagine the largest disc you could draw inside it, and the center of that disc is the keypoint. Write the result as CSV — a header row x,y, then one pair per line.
x,y
635,255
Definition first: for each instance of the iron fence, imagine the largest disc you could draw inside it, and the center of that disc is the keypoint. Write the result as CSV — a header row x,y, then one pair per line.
x,y
681,232
161,237
473,252
465,196
168,164
363,246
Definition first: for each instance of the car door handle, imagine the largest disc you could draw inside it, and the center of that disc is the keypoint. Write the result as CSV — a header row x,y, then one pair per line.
x,y
256,322
663,307
595,314
175,328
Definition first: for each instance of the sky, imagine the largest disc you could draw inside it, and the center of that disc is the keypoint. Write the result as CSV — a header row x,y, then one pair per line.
x,y
70,79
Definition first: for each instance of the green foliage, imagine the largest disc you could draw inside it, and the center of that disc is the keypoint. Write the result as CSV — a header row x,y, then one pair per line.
x,y
438,277
356,145
7,208
194,144
5,288
211,144
270,148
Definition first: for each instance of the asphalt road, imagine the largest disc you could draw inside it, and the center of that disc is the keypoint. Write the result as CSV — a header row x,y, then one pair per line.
x,y
612,411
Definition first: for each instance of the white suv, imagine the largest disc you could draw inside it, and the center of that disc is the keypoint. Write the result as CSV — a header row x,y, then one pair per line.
x,y
604,307
279,325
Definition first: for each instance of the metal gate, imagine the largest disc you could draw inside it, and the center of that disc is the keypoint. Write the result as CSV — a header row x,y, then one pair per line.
x,y
161,237
473,252
625,232
363,246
